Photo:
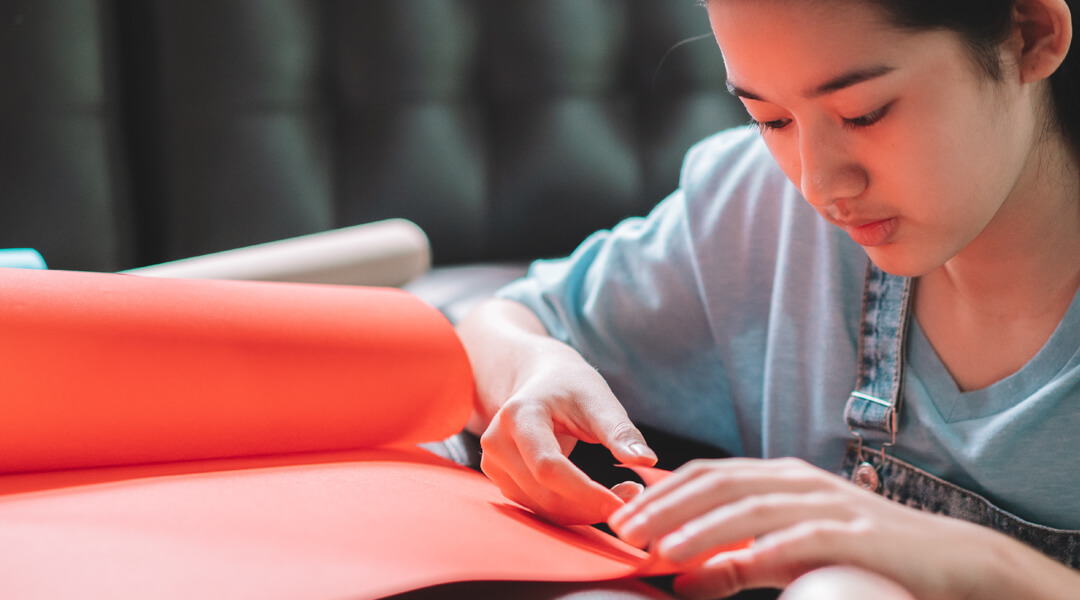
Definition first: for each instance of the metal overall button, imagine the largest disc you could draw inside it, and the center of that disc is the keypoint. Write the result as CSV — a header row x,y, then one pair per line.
x,y
864,474
866,477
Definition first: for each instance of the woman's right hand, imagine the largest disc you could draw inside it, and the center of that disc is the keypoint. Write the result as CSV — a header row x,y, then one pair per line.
x,y
537,398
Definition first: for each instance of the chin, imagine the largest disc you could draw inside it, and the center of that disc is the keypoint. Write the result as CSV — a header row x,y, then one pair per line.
x,y
899,261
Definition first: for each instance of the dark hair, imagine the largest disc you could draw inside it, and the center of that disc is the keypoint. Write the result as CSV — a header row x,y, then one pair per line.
x,y
984,25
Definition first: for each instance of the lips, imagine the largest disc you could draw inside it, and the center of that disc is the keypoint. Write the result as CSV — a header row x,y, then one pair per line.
x,y
870,232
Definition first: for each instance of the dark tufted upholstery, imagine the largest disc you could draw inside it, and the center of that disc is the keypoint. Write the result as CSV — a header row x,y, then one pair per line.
x,y
138,131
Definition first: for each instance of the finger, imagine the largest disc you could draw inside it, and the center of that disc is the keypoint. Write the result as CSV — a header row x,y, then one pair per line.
x,y
629,448
550,472
679,480
809,545
774,562
498,465
550,506
728,574
603,420
752,517
521,443
701,487
736,474
777,559
509,488
655,513
627,490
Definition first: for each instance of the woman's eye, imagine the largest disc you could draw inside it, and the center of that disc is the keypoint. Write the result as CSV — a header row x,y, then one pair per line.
x,y
771,125
869,118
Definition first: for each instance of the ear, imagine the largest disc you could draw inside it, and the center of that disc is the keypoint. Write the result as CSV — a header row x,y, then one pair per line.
x,y
1046,29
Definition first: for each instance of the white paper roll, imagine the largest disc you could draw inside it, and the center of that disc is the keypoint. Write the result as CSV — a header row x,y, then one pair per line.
x,y
383,253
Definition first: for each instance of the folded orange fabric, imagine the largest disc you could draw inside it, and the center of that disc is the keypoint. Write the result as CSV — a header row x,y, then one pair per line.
x,y
104,369
213,439
353,524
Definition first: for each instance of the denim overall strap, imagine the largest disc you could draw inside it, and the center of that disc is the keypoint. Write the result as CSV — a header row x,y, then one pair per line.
x,y
874,406
910,486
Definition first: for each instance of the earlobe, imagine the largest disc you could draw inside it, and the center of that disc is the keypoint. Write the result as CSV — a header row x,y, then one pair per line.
x,y
1046,29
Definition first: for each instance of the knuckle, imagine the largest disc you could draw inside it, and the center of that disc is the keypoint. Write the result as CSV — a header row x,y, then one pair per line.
x,y
490,466
717,480
662,514
513,408
490,439
761,508
807,480
792,463
698,466
516,414
861,527
625,430
803,474
819,534
740,576
547,469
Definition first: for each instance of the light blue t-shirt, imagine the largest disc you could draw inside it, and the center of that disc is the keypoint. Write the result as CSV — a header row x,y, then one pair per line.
x,y
730,315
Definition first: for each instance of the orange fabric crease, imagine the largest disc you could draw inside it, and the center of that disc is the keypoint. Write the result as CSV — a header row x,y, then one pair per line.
x,y
182,438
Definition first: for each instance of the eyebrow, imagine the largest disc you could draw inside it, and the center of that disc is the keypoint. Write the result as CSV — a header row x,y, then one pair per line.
x,y
833,85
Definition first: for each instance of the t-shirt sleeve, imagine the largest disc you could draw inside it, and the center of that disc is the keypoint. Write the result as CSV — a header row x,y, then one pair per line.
x,y
609,294
629,300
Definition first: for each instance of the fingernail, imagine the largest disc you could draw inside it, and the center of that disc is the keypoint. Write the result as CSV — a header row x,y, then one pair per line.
x,y
628,490
643,451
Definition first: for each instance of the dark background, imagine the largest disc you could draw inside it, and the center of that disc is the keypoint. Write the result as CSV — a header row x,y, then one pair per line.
x,y
138,131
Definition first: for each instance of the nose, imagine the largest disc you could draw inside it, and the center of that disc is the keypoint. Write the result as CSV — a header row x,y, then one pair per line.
x,y
829,171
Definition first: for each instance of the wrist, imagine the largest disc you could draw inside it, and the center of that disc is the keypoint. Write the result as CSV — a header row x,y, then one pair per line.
x,y
499,339
1009,568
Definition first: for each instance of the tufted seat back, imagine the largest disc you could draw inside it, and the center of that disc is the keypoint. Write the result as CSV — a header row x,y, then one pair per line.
x,y
139,131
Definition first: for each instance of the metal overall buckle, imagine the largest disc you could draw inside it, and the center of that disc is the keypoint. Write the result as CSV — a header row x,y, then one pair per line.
x,y
864,474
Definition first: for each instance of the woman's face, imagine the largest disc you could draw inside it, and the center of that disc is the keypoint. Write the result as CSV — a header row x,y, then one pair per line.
x,y
896,136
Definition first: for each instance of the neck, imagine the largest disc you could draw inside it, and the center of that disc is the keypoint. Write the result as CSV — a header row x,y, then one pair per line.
x,y
990,308
1027,259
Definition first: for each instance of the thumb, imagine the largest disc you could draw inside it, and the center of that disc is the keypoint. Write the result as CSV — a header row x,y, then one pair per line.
x,y
606,422
627,444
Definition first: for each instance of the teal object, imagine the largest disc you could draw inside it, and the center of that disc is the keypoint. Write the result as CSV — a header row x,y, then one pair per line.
x,y
22,258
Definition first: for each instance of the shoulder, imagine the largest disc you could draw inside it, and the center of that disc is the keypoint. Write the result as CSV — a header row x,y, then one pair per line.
x,y
737,197
731,156
731,178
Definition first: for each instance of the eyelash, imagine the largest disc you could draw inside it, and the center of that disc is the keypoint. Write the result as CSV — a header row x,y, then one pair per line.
x,y
867,120
767,126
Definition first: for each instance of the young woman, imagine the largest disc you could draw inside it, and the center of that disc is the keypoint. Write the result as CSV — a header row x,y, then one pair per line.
x,y
919,334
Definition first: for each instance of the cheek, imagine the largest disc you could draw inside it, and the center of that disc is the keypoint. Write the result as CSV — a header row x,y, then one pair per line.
x,y
947,191
969,168
786,155
968,144
920,177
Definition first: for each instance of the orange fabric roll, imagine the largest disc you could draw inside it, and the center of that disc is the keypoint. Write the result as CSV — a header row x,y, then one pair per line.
x,y
105,369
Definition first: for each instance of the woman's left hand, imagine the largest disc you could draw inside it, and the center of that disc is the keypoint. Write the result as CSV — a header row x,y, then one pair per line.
x,y
803,518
